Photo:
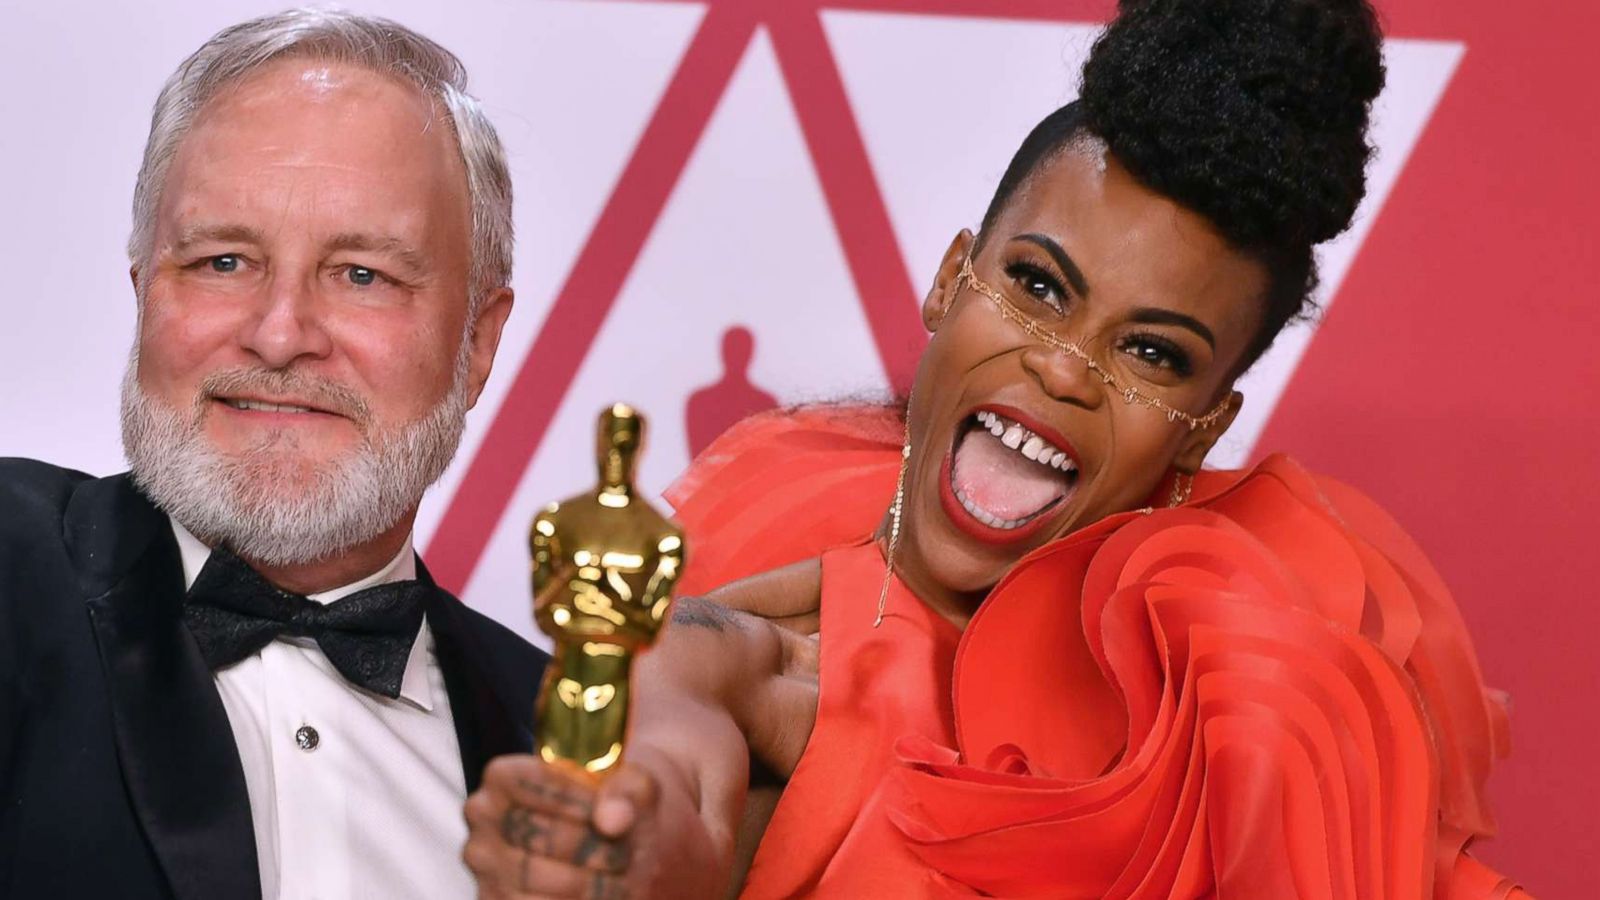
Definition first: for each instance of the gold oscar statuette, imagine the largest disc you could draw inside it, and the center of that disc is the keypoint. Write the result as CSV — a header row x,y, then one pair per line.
x,y
604,564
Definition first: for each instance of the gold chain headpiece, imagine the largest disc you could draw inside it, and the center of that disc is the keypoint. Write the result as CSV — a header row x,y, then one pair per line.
x,y
1031,326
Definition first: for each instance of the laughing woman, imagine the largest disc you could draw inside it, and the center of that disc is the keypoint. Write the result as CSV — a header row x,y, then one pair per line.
x,y
1013,640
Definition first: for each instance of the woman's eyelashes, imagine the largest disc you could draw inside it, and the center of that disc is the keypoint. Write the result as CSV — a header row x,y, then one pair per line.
x,y
1039,284
1157,353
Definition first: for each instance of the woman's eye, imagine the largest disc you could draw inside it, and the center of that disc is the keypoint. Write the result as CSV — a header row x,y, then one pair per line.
x,y
225,264
361,276
1157,355
1039,286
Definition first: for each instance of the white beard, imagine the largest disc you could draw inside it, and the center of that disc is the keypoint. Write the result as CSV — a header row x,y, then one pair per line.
x,y
266,503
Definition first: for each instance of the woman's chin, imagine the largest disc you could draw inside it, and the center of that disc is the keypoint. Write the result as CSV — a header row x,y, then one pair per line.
x,y
962,567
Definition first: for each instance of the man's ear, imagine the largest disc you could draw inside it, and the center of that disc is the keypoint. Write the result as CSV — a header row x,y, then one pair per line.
x,y
942,294
1198,442
485,332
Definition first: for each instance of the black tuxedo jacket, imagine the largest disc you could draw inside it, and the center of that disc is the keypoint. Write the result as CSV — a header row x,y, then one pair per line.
x,y
118,772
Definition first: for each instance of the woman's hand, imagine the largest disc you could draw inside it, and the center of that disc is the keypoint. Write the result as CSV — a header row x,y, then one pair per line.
x,y
536,830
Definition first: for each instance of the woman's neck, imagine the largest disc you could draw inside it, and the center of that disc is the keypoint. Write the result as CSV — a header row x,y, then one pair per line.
x,y
956,607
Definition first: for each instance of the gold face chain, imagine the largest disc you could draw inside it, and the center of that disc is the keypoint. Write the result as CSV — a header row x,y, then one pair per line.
x,y
1038,332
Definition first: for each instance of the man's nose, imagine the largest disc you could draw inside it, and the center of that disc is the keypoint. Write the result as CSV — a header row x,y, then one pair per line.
x,y
1064,377
287,322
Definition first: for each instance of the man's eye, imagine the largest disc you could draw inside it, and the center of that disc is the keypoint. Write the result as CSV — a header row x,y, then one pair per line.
x,y
361,275
225,264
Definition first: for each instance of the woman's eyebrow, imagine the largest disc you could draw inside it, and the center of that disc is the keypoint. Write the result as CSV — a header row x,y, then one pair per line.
x,y
1155,315
1062,258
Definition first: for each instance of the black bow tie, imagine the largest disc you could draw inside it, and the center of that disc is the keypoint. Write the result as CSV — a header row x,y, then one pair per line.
x,y
233,613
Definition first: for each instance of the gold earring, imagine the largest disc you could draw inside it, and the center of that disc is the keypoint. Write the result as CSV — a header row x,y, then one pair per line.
x,y
1182,486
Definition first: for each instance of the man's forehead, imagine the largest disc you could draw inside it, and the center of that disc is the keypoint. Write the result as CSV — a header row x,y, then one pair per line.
x,y
321,78
200,230
320,136
317,112
315,81
261,207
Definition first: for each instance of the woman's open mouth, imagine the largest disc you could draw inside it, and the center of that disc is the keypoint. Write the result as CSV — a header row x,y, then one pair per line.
x,y
1004,474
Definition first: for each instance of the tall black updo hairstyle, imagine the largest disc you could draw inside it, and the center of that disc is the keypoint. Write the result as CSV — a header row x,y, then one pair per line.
x,y
1252,113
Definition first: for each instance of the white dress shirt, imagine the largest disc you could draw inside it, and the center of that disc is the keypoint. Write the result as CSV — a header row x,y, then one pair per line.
x,y
351,794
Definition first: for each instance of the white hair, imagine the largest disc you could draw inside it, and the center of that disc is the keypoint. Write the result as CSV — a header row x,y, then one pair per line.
x,y
372,43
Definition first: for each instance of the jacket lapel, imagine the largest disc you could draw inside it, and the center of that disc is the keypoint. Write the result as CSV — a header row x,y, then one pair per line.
x,y
476,683
173,738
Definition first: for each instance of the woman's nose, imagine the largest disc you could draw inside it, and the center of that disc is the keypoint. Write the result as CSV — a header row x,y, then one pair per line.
x,y
1068,379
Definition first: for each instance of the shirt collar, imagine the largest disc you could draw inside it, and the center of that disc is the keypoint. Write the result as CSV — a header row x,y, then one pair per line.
x,y
414,685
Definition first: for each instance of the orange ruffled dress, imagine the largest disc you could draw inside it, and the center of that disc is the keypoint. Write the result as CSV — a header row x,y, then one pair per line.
x,y
1267,693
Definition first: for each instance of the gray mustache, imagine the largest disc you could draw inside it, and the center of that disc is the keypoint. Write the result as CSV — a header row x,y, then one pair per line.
x,y
320,392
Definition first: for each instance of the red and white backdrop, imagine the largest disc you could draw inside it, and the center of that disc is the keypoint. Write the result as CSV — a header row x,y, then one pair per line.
x,y
728,204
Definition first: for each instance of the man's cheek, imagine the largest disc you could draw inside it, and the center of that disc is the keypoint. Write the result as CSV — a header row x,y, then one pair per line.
x,y
407,374
180,338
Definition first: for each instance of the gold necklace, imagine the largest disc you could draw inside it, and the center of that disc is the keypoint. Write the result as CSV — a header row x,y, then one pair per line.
x,y
894,520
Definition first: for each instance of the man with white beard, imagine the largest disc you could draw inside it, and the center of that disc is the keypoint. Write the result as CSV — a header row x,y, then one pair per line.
x,y
226,674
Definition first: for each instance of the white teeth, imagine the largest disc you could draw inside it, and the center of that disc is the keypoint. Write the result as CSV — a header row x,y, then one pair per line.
x,y
258,406
1018,438
1034,447
987,518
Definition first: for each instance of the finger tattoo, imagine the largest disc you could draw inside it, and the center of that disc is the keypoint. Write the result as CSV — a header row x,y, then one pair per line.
x,y
607,887
522,828
556,796
613,854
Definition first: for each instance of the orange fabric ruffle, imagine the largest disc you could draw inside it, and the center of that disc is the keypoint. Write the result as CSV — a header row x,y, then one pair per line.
x,y
783,486
1266,693
1302,712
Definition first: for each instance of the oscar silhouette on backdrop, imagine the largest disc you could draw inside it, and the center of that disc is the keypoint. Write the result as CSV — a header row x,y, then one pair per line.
x,y
713,409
